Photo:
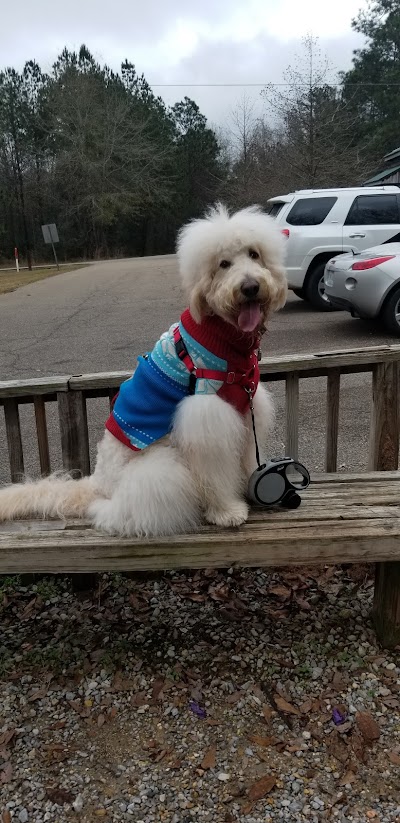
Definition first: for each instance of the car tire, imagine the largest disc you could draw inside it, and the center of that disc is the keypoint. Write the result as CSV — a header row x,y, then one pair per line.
x,y
299,293
390,312
314,291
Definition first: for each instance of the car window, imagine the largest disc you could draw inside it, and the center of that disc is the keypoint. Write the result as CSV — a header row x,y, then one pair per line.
x,y
310,211
274,209
373,210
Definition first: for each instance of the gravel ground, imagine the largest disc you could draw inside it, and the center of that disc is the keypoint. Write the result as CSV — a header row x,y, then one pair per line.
x,y
216,697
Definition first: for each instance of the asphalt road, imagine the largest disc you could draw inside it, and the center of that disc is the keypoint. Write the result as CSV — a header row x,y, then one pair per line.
x,y
100,317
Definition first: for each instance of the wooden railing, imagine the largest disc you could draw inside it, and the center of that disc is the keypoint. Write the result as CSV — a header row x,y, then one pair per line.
x,y
72,392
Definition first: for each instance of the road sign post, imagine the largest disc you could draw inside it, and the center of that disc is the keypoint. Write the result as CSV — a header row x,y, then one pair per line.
x,y
16,259
50,236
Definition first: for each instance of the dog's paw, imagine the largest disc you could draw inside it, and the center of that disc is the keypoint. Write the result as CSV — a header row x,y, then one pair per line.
x,y
234,515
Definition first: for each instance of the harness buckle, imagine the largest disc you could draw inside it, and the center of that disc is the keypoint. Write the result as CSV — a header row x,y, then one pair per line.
x,y
230,378
180,348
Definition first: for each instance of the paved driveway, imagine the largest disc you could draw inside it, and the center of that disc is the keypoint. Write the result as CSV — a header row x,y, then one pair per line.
x,y
100,317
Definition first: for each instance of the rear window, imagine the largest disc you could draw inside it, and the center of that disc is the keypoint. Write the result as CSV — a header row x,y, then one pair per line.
x,y
373,210
311,211
274,209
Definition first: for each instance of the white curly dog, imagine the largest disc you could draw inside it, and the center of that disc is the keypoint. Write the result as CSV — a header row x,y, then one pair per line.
x,y
167,463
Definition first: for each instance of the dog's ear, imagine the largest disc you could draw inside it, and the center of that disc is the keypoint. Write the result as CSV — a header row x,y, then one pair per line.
x,y
198,304
278,299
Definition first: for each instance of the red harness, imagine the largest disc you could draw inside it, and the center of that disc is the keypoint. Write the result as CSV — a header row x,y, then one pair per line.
x,y
246,380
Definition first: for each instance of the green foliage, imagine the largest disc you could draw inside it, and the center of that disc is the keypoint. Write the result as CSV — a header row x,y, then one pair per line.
x,y
99,154
372,86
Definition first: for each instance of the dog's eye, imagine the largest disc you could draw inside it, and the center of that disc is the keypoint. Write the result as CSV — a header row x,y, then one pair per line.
x,y
224,264
253,254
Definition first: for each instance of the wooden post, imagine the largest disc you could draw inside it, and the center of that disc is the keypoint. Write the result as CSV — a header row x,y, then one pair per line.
x,y
292,415
332,419
384,456
41,429
14,440
75,452
74,431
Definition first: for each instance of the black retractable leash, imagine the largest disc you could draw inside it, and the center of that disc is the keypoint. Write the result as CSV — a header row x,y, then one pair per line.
x,y
277,482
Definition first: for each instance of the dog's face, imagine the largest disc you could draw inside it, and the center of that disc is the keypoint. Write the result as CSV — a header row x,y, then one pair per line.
x,y
233,267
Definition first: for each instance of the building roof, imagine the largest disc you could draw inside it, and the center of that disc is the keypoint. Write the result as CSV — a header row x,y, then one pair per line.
x,y
393,155
382,175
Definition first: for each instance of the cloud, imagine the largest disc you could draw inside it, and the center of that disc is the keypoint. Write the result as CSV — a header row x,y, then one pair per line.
x,y
183,41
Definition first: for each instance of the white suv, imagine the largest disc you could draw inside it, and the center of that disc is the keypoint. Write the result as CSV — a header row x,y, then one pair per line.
x,y
323,223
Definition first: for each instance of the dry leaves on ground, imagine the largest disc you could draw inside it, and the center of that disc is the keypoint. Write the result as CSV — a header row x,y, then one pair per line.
x,y
261,787
209,759
284,706
368,726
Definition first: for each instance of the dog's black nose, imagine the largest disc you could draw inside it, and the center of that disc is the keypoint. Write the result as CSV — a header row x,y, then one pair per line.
x,y
250,288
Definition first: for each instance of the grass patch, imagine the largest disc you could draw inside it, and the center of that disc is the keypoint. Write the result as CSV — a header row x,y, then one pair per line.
x,y
12,280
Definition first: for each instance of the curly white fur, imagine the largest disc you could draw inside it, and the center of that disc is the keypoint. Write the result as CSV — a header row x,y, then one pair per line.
x,y
201,470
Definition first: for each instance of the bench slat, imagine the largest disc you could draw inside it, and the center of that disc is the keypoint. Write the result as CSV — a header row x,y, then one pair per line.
x,y
69,551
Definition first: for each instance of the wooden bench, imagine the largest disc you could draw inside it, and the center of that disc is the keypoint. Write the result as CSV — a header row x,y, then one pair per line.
x,y
344,518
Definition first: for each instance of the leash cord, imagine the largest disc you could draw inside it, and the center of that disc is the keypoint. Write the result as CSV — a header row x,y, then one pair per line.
x,y
250,393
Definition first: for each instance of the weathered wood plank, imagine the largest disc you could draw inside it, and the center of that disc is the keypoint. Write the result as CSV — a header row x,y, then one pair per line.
x,y
292,415
270,367
42,436
14,440
384,432
41,385
348,542
332,419
74,431
384,454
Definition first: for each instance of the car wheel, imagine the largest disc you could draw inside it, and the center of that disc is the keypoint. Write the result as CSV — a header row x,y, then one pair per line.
x,y
391,313
299,293
315,289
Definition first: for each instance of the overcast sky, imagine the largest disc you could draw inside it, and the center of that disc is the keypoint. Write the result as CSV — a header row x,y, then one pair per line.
x,y
183,41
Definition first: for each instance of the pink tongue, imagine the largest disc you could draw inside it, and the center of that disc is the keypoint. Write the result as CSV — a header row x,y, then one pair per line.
x,y
249,316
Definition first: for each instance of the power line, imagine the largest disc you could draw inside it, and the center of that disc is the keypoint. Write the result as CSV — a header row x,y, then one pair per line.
x,y
259,85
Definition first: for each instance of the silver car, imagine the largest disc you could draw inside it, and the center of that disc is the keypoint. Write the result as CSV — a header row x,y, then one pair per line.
x,y
367,284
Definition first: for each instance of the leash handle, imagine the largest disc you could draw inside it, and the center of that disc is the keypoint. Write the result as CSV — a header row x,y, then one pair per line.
x,y
251,394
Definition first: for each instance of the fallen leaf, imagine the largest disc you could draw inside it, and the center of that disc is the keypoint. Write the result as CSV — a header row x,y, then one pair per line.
x,y
139,699
77,707
306,707
211,721
209,759
6,816
247,808
338,681
219,593
39,694
348,777
265,742
394,758
6,773
368,726
234,697
358,743
303,604
338,748
59,795
7,736
101,720
157,688
280,591
267,712
284,706
261,787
